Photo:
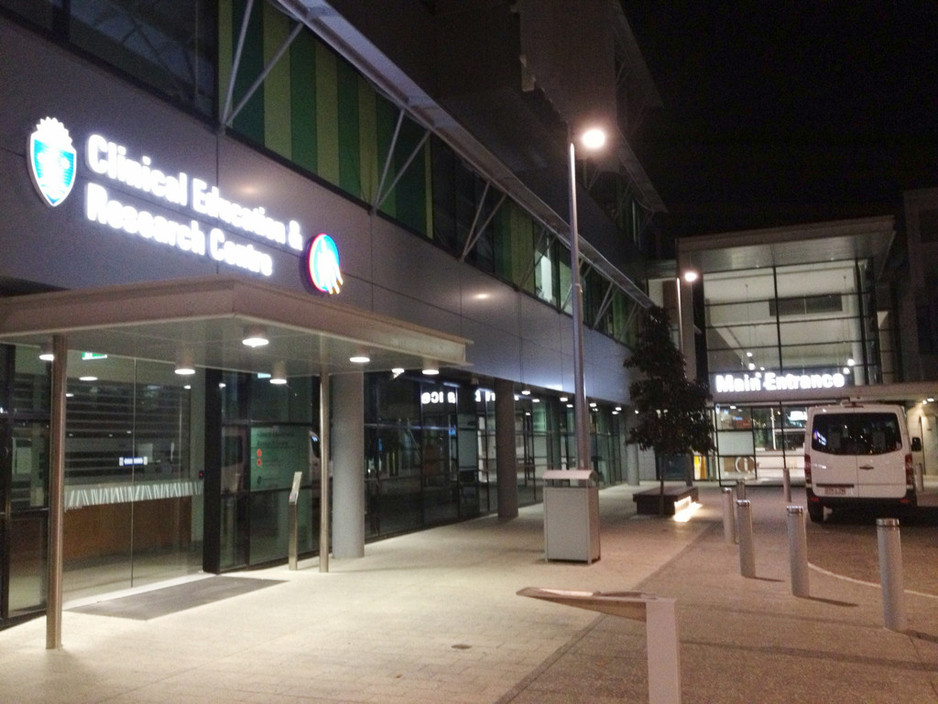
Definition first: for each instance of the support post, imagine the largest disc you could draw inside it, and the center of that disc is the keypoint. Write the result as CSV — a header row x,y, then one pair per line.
x,y
324,451
661,636
747,551
293,524
56,493
729,517
786,483
890,572
798,551
664,657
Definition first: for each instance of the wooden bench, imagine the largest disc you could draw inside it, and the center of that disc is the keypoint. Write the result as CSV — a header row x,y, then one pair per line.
x,y
649,501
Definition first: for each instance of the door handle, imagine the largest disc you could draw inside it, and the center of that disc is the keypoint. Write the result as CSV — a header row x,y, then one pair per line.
x,y
867,466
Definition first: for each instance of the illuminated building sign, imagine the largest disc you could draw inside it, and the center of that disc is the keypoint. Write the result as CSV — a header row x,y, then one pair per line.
x,y
768,382
322,264
215,225
52,161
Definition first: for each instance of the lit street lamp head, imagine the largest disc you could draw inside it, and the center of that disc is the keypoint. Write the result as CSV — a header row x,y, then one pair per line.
x,y
593,138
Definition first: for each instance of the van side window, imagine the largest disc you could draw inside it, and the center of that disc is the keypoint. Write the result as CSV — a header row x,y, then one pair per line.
x,y
856,433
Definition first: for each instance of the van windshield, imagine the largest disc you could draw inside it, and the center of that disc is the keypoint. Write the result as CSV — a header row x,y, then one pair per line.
x,y
856,433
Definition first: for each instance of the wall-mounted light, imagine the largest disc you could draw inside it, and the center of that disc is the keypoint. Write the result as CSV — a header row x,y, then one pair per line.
x,y
45,352
279,375
255,336
185,362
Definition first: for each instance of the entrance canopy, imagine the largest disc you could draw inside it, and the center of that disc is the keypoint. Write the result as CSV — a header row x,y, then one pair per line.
x,y
205,320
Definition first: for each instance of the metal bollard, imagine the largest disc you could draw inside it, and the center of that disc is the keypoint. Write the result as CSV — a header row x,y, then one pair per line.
x,y
740,489
292,537
798,550
729,517
747,552
890,572
786,483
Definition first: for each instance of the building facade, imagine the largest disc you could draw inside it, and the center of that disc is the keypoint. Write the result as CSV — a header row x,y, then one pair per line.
x,y
784,318
388,215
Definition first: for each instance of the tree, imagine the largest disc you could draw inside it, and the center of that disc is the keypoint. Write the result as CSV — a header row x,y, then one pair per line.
x,y
672,411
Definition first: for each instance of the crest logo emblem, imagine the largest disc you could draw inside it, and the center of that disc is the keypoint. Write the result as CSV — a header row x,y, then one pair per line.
x,y
52,160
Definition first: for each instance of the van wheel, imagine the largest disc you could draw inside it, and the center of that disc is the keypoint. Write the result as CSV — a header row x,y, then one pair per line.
x,y
816,513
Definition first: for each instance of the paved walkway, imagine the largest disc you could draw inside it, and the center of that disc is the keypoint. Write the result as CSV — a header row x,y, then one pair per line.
x,y
434,617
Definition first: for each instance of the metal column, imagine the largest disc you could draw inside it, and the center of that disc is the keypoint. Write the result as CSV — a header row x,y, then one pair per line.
x,y
324,452
56,493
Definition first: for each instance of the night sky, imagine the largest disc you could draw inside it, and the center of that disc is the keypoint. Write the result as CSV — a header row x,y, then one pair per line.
x,y
778,113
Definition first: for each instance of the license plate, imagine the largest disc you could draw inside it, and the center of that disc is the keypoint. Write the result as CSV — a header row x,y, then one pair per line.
x,y
835,491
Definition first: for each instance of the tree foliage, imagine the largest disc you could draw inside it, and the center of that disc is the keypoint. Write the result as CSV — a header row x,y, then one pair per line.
x,y
672,411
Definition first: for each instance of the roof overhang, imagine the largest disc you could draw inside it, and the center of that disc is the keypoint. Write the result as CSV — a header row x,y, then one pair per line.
x,y
862,238
208,317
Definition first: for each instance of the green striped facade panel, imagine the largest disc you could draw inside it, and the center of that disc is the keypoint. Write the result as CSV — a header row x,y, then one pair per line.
x,y
303,130
348,129
327,115
369,164
277,84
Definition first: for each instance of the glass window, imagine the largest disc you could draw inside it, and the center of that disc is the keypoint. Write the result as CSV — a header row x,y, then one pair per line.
x,y
168,46
29,486
546,272
856,433
32,385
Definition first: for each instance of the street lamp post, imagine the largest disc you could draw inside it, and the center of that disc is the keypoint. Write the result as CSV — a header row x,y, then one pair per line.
x,y
592,139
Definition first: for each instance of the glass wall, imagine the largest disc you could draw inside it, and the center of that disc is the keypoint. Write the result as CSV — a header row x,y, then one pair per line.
x,y
269,431
757,443
133,490
805,319
773,327
420,454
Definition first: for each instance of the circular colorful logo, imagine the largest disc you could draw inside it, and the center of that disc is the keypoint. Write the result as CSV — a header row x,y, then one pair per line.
x,y
322,262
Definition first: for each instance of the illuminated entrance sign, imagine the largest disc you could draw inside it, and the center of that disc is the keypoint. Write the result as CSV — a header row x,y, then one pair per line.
x,y
768,382
211,228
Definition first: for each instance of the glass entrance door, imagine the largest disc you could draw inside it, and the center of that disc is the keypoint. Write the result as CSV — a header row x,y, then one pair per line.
x,y
24,482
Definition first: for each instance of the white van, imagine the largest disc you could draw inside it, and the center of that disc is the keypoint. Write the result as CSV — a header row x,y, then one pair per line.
x,y
857,454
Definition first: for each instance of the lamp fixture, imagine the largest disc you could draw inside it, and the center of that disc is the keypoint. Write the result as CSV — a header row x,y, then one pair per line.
x,y
45,352
255,336
279,375
690,276
185,362
430,369
396,372
525,392
593,138
359,358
